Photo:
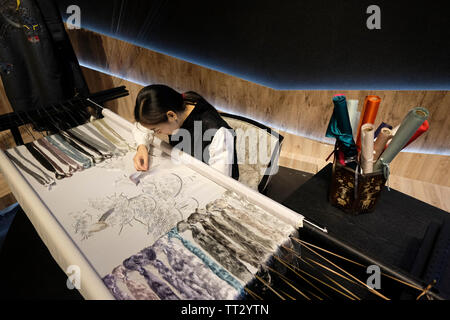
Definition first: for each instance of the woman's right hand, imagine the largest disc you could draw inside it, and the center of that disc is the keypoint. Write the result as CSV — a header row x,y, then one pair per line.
x,y
141,158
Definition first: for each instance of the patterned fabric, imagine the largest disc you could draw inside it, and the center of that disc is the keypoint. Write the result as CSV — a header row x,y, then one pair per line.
x,y
248,140
231,241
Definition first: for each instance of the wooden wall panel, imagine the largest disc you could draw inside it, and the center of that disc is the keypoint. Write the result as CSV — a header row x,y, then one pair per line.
x,y
5,106
303,112
297,152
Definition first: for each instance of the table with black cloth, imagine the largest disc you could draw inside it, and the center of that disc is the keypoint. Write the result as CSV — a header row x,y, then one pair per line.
x,y
401,232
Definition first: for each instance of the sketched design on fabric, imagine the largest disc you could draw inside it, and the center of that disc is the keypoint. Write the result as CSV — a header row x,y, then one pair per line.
x,y
219,252
192,271
217,269
233,239
117,211
162,205
138,262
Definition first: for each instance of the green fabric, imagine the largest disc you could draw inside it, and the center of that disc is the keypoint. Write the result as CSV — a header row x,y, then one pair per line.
x,y
340,127
409,126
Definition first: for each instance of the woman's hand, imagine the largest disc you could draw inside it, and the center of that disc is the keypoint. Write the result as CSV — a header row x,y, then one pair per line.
x,y
141,158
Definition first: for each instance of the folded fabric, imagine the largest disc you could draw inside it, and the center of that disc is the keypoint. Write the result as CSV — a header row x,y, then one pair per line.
x,y
340,128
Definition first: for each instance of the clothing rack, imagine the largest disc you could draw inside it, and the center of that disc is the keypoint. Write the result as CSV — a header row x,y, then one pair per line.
x,y
11,121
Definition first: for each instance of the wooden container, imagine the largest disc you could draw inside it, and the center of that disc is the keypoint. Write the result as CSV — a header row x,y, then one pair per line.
x,y
354,200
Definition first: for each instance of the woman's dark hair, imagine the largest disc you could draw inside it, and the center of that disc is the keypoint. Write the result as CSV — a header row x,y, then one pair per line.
x,y
154,101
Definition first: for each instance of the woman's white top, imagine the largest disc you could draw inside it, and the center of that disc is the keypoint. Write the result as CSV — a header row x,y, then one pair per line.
x,y
221,149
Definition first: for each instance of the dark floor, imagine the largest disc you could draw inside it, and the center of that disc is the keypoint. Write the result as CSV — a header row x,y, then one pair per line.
x,y
28,271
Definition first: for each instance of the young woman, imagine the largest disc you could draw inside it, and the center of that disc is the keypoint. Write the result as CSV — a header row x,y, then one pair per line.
x,y
192,124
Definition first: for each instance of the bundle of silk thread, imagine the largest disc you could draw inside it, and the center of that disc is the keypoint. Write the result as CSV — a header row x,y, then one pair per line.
x,y
61,155
213,254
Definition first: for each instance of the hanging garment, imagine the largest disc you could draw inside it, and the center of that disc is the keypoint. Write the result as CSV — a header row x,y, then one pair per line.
x,y
43,69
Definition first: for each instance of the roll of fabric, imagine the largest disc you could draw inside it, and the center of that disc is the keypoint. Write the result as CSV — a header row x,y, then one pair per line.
x,y
352,107
367,133
380,144
340,128
381,126
410,124
368,115
393,132
423,128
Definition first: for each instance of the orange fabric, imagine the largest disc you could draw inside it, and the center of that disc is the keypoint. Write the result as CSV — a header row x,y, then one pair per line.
x,y
368,115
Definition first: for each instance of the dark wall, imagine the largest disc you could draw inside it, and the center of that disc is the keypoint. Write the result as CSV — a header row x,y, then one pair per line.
x,y
311,44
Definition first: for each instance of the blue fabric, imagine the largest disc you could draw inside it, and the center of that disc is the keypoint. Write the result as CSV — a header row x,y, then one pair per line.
x,y
219,271
381,126
69,150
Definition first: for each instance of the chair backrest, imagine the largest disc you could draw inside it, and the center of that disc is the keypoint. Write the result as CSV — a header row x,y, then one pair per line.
x,y
256,166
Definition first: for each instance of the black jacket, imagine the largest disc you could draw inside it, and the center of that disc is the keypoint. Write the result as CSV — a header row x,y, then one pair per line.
x,y
209,118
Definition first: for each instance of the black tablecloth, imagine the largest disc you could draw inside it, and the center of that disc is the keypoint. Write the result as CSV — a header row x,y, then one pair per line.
x,y
392,234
